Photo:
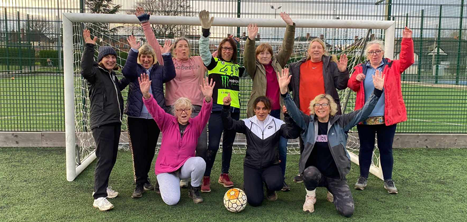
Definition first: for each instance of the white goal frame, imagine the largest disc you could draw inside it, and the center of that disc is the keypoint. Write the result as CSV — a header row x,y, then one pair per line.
x,y
68,18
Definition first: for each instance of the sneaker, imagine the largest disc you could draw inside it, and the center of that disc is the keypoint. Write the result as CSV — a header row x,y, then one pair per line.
x,y
224,179
156,188
195,194
271,195
148,186
285,187
206,186
102,204
298,179
390,186
184,183
110,193
309,204
330,197
361,183
138,192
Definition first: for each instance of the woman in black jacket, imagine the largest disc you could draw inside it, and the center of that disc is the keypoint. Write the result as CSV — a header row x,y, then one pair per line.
x,y
263,132
106,114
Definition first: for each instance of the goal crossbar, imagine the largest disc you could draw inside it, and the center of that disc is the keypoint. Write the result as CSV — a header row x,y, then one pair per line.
x,y
69,18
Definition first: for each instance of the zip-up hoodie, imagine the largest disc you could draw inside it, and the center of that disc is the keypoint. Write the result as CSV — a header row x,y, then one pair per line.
x,y
262,138
104,90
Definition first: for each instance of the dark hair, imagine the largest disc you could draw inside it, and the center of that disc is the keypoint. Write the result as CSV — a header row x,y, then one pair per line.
x,y
266,101
234,47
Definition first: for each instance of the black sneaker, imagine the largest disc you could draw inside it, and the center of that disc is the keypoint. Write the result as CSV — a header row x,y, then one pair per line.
x,y
298,179
148,186
156,188
361,183
390,186
271,195
195,194
285,187
138,193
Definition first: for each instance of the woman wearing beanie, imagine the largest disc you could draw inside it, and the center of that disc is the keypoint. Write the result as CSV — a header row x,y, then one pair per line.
x,y
142,129
106,114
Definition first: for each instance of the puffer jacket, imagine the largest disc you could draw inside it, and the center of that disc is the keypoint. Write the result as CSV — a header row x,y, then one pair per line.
x,y
104,90
333,79
257,71
262,148
157,74
338,126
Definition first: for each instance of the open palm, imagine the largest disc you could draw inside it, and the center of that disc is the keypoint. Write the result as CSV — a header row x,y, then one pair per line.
x,y
378,80
207,88
342,63
144,85
284,80
252,31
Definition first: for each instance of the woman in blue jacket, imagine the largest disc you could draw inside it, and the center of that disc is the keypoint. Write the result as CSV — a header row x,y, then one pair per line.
x,y
142,128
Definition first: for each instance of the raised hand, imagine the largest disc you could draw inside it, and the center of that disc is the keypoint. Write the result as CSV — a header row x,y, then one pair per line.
x,y
252,31
284,79
227,100
87,37
204,19
284,109
207,88
167,47
140,11
378,80
407,33
286,18
342,63
132,41
360,77
144,85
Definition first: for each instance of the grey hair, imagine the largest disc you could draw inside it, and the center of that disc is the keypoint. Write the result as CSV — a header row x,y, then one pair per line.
x,y
332,103
374,42
182,101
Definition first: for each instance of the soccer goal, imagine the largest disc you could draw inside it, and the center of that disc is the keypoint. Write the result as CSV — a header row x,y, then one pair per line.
x,y
341,36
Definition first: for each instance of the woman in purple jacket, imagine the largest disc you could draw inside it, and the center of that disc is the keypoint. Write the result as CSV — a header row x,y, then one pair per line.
x,y
180,135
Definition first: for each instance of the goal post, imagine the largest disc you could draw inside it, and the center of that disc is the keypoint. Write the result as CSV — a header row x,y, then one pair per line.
x,y
73,166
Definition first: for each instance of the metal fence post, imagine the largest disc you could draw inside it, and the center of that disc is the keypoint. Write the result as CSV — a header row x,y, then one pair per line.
x,y
19,44
420,56
28,33
460,44
6,43
438,43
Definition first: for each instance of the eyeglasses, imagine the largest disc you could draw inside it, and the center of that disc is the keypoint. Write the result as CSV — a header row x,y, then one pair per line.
x,y
377,52
227,48
182,110
324,105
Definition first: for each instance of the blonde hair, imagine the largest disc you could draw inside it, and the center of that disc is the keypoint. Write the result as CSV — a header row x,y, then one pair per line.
x,y
374,42
177,41
147,50
182,101
332,103
318,40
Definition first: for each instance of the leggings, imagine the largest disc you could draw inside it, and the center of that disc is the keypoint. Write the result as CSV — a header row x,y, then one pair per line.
x,y
255,179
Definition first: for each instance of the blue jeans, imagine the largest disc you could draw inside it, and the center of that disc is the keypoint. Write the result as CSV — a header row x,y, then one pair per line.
x,y
216,127
282,143
385,135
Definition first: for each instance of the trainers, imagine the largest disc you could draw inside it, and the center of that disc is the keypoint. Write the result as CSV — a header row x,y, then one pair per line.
x,y
195,194
271,195
184,183
309,204
298,179
224,179
102,204
361,183
330,197
156,188
148,186
138,192
390,186
206,186
110,193
285,187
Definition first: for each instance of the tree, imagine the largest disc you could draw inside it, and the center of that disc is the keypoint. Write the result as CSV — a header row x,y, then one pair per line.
x,y
166,8
103,30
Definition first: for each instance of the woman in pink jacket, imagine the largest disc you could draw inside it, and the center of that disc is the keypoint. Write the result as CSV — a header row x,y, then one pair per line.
x,y
389,111
180,135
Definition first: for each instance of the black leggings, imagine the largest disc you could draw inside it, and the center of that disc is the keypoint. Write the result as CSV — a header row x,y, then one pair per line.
x,y
255,178
343,199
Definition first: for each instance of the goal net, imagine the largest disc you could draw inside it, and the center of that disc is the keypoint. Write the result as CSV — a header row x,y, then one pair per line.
x,y
340,36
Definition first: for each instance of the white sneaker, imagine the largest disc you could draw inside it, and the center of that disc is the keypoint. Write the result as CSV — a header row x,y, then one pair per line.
x,y
309,204
330,197
110,193
184,183
102,204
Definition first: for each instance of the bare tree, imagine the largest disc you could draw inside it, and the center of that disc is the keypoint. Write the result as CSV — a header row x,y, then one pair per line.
x,y
166,8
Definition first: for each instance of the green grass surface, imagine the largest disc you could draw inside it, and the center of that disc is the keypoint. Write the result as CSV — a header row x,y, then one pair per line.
x,y
35,103
33,187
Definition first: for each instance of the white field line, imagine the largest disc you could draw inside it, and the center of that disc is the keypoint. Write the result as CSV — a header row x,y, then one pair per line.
x,y
40,114
443,123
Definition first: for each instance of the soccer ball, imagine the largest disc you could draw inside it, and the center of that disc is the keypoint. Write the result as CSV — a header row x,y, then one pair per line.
x,y
235,200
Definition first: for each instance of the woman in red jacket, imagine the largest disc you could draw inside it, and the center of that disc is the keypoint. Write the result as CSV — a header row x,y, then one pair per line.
x,y
389,110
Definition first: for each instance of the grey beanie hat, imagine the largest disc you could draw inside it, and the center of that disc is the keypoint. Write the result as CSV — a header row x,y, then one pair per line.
x,y
105,50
